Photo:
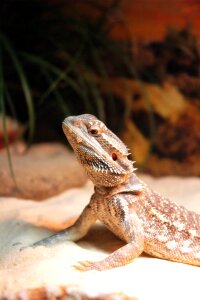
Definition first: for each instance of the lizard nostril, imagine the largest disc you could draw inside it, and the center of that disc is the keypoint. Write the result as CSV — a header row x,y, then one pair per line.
x,y
76,123
114,156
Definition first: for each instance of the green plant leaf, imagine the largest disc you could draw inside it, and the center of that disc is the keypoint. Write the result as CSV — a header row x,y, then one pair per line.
x,y
24,83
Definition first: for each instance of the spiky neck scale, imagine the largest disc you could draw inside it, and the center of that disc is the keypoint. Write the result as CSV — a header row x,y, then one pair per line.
x,y
102,154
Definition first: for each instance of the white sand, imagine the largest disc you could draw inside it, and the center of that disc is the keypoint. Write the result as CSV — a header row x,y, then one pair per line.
x,y
23,222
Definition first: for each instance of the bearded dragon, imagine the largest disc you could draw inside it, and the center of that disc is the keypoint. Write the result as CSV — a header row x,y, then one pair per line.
x,y
141,217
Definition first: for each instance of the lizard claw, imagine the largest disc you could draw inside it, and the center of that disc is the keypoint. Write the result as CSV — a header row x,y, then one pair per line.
x,y
86,265
22,248
25,247
34,245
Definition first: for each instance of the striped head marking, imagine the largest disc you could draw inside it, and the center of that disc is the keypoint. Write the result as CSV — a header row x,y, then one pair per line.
x,y
103,155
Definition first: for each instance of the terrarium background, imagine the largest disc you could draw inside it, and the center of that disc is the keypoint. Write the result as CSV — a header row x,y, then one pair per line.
x,y
133,63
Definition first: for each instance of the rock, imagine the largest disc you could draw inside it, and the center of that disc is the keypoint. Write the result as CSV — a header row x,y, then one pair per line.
x,y
14,130
190,167
48,273
42,171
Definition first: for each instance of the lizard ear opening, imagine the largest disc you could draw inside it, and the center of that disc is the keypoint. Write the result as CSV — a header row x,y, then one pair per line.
x,y
114,156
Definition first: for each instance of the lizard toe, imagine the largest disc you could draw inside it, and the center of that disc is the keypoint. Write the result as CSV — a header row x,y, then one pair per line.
x,y
85,265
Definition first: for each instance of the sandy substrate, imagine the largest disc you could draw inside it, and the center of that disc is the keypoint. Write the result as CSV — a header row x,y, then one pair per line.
x,y
48,273
42,171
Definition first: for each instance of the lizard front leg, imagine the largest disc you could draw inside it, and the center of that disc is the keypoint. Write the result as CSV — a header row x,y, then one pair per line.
x,y
133,233
72,233
118,258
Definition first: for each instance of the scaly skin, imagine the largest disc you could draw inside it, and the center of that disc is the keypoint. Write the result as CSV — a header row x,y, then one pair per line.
x,y
145,220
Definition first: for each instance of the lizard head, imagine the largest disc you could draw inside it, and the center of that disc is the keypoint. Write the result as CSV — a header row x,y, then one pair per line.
x,y
102,154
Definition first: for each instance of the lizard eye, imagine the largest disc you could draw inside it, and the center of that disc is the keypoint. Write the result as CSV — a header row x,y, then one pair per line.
x,y
96,129
93,131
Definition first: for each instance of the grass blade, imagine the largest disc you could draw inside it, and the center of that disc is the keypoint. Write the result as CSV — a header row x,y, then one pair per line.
x,y
65,109
72,60
54,70
89,77
81,81
4,125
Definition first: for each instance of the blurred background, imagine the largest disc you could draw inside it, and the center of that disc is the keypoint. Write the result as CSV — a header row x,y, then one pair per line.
x,y
134,64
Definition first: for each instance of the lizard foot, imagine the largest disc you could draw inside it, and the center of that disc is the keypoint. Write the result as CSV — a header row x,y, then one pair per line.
x,y
87,265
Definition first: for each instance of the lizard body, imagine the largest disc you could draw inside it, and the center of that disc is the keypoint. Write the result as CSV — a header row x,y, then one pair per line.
x,y
144,219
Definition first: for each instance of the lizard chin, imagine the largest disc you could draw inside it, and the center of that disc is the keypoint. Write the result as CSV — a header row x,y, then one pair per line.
x,y
104,177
